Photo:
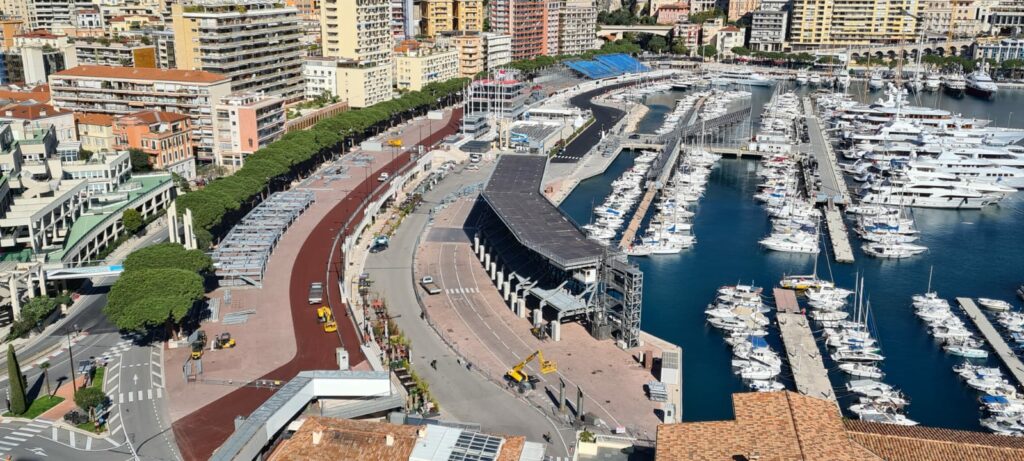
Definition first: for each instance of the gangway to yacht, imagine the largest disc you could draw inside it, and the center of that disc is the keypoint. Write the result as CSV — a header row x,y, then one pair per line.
x,y
801,350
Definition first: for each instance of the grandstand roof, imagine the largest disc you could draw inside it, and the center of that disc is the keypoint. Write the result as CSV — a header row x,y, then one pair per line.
x,y
608,65
513,192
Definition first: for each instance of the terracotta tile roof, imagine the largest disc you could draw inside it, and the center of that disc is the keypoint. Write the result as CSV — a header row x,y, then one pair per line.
x,y
344,439
94,119
775,426
140,73
30,110
901,443
38,33
512,448
675,6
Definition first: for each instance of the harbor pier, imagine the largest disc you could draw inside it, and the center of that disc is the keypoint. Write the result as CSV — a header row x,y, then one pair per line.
x,y
994,339
801,349
825,183
841,249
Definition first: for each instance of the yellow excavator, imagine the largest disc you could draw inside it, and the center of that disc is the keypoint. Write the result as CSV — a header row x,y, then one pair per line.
x,y
517,375
326,316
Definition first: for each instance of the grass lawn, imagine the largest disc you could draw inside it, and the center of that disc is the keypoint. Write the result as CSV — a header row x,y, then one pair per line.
x,y
97,379
39,406
90,426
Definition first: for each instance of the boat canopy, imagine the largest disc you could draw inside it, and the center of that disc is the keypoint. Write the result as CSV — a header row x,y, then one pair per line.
x,y
758,341
995,399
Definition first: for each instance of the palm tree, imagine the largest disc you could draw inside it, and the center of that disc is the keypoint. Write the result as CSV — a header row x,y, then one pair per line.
x,y
45,366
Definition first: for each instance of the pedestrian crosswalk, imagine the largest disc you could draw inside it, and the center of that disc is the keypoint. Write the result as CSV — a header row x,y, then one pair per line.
x,y
13,439
138,396
116,349
462,291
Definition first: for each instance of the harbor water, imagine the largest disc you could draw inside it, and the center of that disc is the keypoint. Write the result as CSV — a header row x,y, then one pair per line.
x,y
973,253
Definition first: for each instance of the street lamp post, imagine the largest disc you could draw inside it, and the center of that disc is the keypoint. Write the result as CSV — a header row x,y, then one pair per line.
x,y
71,360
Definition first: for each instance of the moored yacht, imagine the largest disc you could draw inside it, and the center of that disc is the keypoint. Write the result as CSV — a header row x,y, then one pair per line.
x,y
980,84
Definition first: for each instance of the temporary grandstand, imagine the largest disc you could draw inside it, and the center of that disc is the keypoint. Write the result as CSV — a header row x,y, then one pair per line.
x,y
241,257
607,65
549,260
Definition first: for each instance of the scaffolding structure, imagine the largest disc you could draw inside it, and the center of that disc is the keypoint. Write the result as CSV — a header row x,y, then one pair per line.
x,y
241,258
619,300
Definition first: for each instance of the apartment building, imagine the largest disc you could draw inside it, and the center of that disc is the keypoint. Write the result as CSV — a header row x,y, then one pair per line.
x,y
417,67
126,90
403,19
499,50
577,27
1005,49
526,21
320,76
164,136
831,23
1008,15
359,32
740,8
105,53
95,131
15,10
700,6
255,42
959,18
673,13
768,27
47,14
27,117
478,51
129,22
8,29
439,16
245,122
469,15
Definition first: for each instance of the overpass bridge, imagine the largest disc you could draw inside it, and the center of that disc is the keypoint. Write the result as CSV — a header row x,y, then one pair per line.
x,y
612,33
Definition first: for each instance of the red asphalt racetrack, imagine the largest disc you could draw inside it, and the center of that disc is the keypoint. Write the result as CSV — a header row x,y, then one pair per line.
x,y
201,432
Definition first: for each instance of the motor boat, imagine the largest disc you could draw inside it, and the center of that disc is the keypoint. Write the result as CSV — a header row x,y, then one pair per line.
x,y
966,351
801,78
994,304
892,250
979,83
955,84
861,370
876,82
761,385
932,81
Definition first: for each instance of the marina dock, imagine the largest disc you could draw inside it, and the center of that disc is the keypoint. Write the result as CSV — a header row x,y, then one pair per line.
x,y
994,339
801,349
841,250
833,186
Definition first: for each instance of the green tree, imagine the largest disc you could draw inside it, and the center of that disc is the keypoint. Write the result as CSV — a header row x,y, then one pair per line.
x,y
680,48
740,51
132,220
45,366
19,402
85,154
143,299
707,51
88,399
140,160
704,16
168,256
657,44
181,183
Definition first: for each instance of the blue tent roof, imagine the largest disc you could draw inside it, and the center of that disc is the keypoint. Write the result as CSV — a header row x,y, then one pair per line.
x,y
994,399
758,341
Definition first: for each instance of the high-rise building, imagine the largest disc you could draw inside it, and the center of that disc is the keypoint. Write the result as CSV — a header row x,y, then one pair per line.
x,y
359,32
527,22
403,19
438,16
577,27
469,15
768,26
830,23
15,10
441,16
255,42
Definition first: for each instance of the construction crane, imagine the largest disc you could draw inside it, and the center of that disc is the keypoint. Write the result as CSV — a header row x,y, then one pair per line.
x,y
326,316
517,375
